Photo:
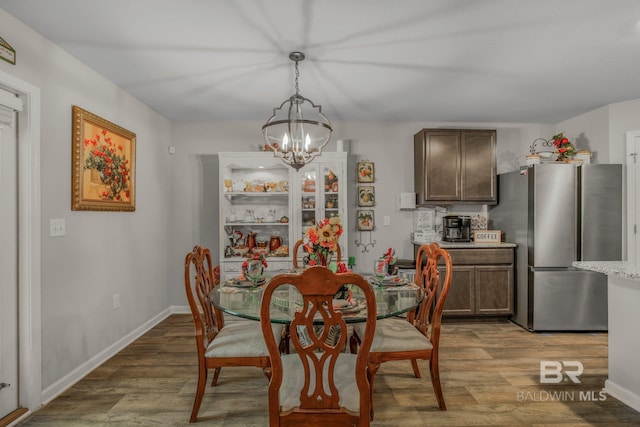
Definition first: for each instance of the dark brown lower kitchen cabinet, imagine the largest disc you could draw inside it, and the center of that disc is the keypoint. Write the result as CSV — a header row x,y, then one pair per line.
x,y
482,284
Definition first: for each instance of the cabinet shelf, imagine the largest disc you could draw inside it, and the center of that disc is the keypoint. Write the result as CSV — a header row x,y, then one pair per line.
x,y
283,224
277,198
268,258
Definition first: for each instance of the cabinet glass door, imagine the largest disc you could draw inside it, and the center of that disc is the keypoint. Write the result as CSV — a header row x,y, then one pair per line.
x,y
309,201
332,180
334,199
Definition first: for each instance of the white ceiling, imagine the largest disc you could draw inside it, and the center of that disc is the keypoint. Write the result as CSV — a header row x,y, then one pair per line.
x,y
539,61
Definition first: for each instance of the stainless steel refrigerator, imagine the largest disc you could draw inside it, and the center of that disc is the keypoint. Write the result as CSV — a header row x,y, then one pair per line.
x,y
557,214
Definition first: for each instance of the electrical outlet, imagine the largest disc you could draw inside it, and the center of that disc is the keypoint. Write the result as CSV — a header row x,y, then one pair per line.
x,y
57,227
116,301
386,220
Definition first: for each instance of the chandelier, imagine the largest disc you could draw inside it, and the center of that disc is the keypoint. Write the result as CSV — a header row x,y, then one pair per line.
x,y
297,131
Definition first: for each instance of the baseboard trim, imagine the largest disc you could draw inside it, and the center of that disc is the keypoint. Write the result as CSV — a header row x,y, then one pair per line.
x,y
54,390
180,309
622,394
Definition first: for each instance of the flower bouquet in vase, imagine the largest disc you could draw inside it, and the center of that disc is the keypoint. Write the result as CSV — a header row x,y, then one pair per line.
x,y
390,257
564,148
321,241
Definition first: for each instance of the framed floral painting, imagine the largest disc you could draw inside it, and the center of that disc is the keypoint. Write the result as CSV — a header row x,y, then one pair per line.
x,y
365,220
104,158
365,171
366,195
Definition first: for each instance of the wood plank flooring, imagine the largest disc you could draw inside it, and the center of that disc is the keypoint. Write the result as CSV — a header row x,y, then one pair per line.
x,y
490,377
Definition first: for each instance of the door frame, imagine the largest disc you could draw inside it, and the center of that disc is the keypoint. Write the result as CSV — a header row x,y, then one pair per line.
x,y
29,241
632,172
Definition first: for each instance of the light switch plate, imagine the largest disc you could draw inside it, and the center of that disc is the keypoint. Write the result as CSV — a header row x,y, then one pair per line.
x,y
57,227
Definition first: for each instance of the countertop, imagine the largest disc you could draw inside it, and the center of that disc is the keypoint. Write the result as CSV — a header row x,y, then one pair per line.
x,y
624,269
469,245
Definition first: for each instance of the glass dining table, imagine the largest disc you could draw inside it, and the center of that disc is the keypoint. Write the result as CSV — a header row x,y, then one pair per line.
x,y
393,298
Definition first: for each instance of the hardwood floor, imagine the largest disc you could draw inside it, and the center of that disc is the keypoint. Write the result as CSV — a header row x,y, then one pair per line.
x,y
490,377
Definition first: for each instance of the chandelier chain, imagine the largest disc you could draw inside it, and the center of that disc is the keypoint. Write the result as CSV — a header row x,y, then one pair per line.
x,y
297,75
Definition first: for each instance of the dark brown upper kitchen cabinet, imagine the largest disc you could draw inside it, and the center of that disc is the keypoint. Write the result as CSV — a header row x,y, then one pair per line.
x,y
455,166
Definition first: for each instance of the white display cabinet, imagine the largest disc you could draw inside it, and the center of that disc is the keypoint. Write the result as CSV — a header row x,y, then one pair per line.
x,y
255,210
267,204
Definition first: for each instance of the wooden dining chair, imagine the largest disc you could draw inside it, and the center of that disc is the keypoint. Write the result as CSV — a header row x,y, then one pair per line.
x,y
239,343
318,383
417,336
300,244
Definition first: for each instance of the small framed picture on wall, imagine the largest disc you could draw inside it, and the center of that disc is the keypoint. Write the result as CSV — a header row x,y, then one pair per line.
x,y
365,220
366,195
103,164
365,171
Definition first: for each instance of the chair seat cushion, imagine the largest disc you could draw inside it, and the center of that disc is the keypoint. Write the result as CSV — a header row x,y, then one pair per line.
x,y
395,335
241,339
345,380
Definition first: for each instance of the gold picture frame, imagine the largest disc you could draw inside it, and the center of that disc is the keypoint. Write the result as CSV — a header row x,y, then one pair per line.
x,y
103,164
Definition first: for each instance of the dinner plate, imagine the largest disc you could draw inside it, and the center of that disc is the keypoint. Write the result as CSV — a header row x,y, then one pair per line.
x,y
245,283
350,308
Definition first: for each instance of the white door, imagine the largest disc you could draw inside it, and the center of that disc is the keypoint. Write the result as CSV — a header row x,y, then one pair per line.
x,y
8,263
633,199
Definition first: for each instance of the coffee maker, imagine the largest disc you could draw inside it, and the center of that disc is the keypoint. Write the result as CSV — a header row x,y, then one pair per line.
x,y
456,228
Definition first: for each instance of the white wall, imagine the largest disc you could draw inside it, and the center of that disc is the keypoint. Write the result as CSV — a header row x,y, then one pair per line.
x,y
103,253
624,117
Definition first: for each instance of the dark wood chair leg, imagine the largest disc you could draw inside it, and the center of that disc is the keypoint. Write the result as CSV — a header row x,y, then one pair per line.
x,y
216,374
372,369
284,340
435,381
354,341
202,382
416,370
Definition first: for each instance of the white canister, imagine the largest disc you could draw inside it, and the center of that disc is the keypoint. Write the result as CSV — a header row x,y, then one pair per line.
x,y
584,155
